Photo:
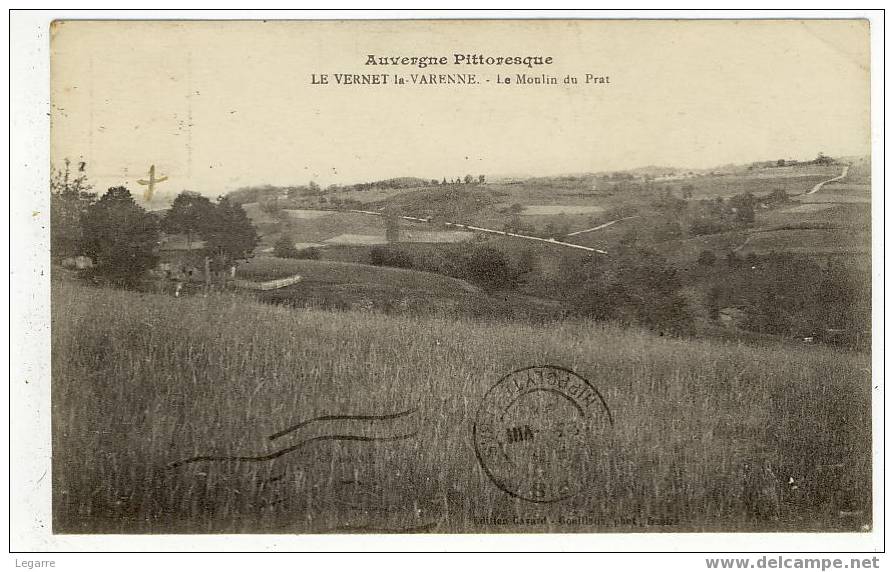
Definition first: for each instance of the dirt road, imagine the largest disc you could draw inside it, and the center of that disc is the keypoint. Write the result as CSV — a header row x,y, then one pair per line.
x,y
819,186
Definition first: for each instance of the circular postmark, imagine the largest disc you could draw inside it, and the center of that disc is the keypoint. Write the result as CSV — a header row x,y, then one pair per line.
x,y
538,432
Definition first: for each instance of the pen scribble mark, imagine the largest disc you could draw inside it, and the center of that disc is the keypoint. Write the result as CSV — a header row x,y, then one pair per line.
x,y
340,417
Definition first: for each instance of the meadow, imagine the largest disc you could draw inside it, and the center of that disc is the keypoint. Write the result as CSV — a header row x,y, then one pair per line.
x,y
561,209
144,382
808,241
339,273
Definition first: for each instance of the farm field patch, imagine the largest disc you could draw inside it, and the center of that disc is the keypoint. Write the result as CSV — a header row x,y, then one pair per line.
x,y
809,241
845,187
435,236
301,214
833,197
357,239
562,209
807,208
330,272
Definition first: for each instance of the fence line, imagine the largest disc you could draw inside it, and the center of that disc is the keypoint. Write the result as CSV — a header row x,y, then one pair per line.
x,y
493,231
268,285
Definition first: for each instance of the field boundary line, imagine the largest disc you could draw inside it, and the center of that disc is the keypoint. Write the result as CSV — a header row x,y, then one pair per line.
x,y
601,226
269,284
492,231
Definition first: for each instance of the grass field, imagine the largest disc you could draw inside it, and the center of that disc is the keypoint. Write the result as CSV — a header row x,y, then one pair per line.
x,y
830,197
431,236
142,381
358,239
562,209
334,273
346,285
808,241
303,214
807,208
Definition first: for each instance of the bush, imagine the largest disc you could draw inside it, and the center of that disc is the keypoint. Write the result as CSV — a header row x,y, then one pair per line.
x,y
311,253
707,258
489,269
285,248
120,237
390,256
706,226
667,230
745,214
637,286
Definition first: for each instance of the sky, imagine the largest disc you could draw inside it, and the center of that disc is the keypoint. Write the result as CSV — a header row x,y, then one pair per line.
x,y
221,105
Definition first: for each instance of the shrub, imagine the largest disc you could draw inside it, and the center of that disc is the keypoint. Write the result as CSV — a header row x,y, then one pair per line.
x,y
285,248
120,237
390,256
707,258
489,269
311,253
637,286
706,226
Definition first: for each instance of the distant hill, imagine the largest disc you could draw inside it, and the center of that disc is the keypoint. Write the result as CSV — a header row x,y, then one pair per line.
x,y
264,193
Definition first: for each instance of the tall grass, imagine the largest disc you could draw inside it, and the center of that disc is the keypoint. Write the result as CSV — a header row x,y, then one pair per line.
x,y
141,381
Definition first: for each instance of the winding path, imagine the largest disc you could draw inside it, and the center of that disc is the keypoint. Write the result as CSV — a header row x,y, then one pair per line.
x,y
815,188
601,226
820,185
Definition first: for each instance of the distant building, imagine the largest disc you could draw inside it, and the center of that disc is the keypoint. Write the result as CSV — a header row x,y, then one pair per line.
x,y
183,260
180,258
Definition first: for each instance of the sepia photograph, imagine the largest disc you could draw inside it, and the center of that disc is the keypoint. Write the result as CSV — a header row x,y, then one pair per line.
x,y
460,276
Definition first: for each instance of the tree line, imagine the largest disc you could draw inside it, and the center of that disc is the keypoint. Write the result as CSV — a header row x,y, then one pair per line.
x,y
122,239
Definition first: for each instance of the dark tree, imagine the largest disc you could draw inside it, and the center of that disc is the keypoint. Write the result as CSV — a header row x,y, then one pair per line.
x,y
480,179
745,214
636,286
667,230
789,297
392,228
310,253
120,237
190,214
713,302
705,225
733,260
390,256
707,258
70,195
629,238
489,269
285,248
230,236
